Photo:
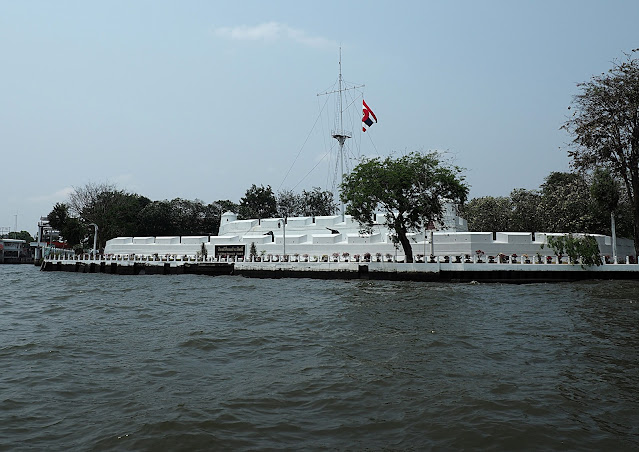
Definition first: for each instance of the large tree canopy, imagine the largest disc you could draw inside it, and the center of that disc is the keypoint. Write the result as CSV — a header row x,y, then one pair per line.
x,y
258,202
179,217
72,229
565,202
289,204
22,235
410,191
605,128
119,213
114,211
488,214
316,202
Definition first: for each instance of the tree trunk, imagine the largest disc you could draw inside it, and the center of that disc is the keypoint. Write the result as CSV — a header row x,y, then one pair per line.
x,y
635,227
408,250
634,198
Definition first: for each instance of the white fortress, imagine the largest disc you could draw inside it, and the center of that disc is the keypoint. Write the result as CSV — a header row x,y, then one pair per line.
x,y
322,236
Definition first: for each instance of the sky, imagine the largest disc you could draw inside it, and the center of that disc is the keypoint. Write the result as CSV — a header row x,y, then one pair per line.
x,y
202,99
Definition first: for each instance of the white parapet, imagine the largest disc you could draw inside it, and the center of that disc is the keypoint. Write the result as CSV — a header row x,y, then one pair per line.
x,y
364,238
175,240
326,239
522,238
327,221
299,222
121,241
143,240
271,223
258,239
292,239
195,240
222,240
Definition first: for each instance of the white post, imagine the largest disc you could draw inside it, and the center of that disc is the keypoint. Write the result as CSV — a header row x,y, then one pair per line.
x,y
39,247
432,243
284,233
425,245
614,237
95,237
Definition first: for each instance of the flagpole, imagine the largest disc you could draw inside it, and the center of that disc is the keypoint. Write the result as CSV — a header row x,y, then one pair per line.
x,y
341,142
340,134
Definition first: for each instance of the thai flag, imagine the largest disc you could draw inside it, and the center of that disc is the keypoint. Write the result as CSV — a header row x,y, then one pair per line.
x,y
366,119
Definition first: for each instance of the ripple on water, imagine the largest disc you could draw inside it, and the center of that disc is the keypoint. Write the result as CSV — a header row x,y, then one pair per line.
x,y
102,362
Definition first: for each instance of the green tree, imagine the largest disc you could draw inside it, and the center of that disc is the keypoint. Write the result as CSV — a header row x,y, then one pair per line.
x,y
584,248
155,219
75,232
605,128
258,202
114,211
488,214
318,202
58,216
289,204
526,211
84,201
187,216
116,214
566,204
179,217
307,204
605,190
227,206
22,235
211,216
410,190
609,198
72,229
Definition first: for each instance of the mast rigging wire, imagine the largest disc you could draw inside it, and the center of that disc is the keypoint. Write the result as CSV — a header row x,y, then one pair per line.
x,y
301,148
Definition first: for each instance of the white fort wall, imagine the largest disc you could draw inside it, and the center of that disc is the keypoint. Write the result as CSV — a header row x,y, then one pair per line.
x,y
318,236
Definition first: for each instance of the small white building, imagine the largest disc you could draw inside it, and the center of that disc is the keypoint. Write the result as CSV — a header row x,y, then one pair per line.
x,y
14,251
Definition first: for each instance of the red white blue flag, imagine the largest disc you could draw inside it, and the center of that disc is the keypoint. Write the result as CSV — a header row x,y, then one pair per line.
x,y
366,119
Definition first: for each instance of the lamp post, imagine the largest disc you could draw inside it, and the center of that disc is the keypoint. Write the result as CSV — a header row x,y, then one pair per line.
x,y
283,233
432,243
425,260
95,237
614,237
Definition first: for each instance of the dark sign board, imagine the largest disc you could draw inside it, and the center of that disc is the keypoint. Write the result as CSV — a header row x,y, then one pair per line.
x,y
229,250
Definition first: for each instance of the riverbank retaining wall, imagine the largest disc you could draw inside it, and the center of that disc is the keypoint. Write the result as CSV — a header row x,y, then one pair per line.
x,y
444,271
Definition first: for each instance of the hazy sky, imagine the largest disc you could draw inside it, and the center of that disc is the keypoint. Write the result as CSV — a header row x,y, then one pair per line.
x,y
201,99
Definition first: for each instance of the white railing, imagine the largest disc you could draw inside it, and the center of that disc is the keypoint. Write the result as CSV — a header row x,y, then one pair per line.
x,y
333,258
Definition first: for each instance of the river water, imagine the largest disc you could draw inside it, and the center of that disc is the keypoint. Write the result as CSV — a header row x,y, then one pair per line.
x,y
184,362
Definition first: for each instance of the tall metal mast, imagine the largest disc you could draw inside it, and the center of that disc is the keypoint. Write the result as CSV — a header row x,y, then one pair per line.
x,y
340,134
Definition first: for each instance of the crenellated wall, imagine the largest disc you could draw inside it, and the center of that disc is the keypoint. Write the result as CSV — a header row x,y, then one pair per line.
x,y
326,235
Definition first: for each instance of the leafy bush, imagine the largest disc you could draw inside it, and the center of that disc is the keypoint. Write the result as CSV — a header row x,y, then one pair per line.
x,y
584,248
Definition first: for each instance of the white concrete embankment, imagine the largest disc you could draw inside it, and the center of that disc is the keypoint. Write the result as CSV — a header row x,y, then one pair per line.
x,y
420,271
